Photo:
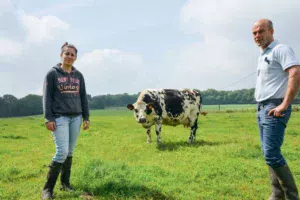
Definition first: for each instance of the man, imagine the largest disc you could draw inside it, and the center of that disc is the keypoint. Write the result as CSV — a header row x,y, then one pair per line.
x,y
278,82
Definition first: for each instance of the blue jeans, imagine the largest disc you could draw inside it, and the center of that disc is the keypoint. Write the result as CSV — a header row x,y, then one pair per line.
x,y
65,136
271,130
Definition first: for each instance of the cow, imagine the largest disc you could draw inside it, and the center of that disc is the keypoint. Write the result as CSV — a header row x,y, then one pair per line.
x,y
167,106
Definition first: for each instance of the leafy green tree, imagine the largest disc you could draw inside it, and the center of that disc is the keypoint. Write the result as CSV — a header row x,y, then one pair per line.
x,y
97,103
9,105
30,105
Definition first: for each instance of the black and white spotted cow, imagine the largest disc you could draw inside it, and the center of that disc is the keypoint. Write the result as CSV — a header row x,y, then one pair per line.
x,y
167,106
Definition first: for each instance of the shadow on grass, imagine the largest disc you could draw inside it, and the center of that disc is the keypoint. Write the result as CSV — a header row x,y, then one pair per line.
x,y
172,146
14,137
114,190
112,180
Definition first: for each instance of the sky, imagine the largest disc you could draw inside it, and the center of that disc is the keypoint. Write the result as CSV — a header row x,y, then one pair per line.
x,y
129,46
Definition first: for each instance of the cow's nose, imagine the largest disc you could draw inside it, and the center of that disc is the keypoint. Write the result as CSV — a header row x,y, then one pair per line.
x,y
142,120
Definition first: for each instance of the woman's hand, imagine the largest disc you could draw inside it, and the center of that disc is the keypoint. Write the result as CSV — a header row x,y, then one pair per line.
x,y
50,126
86,125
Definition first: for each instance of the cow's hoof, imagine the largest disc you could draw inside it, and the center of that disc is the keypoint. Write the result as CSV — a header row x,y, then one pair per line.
x,y
190,141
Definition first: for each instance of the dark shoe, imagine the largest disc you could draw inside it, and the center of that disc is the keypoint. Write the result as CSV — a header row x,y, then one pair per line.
x,y
46,194
287,182
52,175
67,188
65,175
277,191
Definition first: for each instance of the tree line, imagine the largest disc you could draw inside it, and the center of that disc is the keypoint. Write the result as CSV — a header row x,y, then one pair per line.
x,y
10,106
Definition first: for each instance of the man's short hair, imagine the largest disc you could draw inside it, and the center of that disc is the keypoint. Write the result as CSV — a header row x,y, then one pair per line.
x,y
270,24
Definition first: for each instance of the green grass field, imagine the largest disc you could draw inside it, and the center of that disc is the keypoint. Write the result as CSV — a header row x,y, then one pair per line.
x,y
113,161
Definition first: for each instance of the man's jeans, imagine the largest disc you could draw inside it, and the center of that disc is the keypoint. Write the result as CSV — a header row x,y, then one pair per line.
x,y
272,131
65,136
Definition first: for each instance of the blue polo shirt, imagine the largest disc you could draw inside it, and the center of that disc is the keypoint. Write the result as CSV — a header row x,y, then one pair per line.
x,y
272,80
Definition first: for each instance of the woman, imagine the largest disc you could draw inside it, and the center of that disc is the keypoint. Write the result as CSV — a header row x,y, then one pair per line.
x,y
65,106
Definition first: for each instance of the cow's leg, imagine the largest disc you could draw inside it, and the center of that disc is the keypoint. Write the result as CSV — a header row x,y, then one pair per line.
x,y
158,130
149,135
194,127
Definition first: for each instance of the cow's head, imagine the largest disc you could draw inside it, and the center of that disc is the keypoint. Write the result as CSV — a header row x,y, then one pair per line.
x,y
143,112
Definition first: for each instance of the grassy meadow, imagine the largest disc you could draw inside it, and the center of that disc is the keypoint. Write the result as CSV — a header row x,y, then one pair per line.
x,y
113,161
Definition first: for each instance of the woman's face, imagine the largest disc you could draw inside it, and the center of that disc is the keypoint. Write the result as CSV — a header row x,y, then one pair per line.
x,y
68,56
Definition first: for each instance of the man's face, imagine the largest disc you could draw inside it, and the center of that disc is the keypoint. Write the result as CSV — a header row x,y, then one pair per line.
x,y
262,34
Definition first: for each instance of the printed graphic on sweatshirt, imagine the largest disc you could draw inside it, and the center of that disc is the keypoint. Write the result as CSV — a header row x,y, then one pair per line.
x,y
68,85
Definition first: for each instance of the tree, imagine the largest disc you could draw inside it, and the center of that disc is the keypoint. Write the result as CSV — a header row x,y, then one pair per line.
x,y
9,105
97,103
30,105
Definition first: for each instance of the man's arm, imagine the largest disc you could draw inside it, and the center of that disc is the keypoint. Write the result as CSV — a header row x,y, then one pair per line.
x,y
293,85
292,90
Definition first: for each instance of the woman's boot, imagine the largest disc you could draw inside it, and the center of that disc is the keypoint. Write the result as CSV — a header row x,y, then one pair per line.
x,y
53,173
65,175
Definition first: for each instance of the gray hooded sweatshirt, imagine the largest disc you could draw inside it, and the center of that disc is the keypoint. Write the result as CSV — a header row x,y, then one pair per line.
x,y
64,94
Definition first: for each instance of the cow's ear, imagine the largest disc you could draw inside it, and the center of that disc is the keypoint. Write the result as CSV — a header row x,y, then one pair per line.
x,y
149,108
150,105
130,106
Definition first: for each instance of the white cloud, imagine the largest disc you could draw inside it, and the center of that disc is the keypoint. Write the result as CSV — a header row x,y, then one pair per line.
x,y
19,84
207,17
223,54
10,84
10,49
5,6
30,46
112,71
227,53
68,6
44,29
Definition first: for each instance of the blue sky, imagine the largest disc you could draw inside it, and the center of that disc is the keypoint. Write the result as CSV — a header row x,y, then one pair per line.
x,y
128,46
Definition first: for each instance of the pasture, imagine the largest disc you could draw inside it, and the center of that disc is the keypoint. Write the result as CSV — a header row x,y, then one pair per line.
x,y
113,161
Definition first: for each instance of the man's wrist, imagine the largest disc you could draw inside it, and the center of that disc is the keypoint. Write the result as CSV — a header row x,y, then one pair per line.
x,y
285,104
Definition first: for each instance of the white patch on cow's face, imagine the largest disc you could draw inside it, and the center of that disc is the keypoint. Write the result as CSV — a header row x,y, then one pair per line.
x,y
142,115
139,111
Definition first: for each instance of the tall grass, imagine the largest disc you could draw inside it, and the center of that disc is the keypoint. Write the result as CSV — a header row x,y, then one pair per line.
x,y
113,161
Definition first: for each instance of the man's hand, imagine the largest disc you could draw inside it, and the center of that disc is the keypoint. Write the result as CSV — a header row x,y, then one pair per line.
x,y
86,125
50,126
277,111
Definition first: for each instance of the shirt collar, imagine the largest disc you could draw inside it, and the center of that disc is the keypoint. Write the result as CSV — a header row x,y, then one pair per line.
x,y
271,46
